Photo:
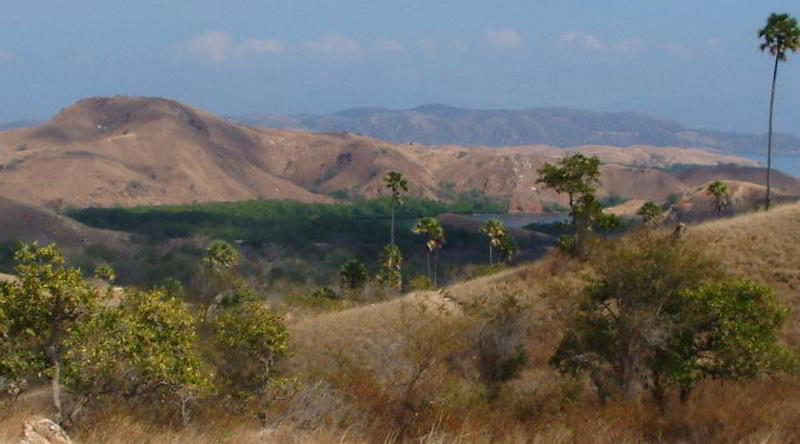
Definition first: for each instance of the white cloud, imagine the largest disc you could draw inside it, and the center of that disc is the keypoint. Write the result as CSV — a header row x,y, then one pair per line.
x,y
259,46
220,46
676,49
390,45
335,45
427,46
714,42
213,46
5,55
458,45
587,41
630,46
506,38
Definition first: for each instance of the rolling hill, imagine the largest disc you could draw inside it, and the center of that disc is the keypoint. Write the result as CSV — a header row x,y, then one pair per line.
x,y
135,151
441,124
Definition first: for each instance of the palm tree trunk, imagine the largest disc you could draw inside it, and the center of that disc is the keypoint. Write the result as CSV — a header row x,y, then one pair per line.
x,y
491,261
436,268
769,134
392,236
429,266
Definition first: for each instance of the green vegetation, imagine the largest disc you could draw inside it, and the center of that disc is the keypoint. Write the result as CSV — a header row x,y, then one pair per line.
x,y
353,276
658,315
316,238
499,239
780,35
288,222
398,185
575,175
434,232
650,212
721,193
140,344
612,200
390,267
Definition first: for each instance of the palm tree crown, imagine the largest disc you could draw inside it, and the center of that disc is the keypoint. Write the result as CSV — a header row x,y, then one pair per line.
x,y
781,34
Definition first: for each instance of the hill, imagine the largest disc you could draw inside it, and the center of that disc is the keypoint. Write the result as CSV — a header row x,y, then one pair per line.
x,y
123,150
440,124
22,222
701,174
143,151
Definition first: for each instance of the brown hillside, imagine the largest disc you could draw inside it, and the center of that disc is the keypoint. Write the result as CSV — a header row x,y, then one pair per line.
x,y
129,151
702,174
23,222
698,204
133,151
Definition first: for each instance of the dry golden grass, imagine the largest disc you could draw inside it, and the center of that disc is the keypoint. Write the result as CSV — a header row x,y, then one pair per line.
x,y
390,371
763,246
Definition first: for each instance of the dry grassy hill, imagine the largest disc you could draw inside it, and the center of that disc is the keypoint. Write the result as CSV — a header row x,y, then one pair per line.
x,y
745,197
700,175
129,151
370,373
22,222
133,151
384,341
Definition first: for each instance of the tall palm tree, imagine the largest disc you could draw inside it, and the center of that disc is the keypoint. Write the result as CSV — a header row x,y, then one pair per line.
x,y
397,184
433,229
781,34
496,231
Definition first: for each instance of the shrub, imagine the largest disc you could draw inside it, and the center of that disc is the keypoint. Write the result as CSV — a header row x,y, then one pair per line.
x,y
659,315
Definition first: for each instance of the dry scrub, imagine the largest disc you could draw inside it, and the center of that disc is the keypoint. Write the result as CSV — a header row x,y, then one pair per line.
x,y
404,370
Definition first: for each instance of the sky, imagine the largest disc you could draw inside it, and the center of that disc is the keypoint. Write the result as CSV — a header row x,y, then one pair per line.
x,y
694,62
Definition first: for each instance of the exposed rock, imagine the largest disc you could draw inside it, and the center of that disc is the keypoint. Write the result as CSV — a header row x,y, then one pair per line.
x,y
680,231
43,431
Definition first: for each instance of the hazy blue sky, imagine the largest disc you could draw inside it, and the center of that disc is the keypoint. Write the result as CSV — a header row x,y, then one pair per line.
x,y
696,61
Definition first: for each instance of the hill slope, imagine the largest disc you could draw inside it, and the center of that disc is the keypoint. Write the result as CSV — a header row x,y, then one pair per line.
x,y
441,124
135,151
23,222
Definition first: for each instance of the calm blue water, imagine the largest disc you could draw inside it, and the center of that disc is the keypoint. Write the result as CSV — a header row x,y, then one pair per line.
x,y
787,163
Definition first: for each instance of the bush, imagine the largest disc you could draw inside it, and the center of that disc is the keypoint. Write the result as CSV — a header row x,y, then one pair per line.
x,y
659,315
420,282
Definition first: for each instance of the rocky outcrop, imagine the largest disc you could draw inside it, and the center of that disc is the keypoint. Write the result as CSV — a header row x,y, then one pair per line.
x,y
43,431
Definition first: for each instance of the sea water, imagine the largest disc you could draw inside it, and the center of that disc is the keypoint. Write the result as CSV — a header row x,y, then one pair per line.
x,y
786,163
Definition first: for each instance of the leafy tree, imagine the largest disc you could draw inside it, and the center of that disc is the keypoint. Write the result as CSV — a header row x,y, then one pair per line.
x,y
398,185
353,275
434,231
575,175
391,264
105,272
221,257
253,332
659,314
145,346
218,280
590,215
780,35
39,312
507,248
650,212
496,231
721,193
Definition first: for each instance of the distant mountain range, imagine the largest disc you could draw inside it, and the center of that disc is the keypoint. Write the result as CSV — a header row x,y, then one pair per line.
x,y
562,127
